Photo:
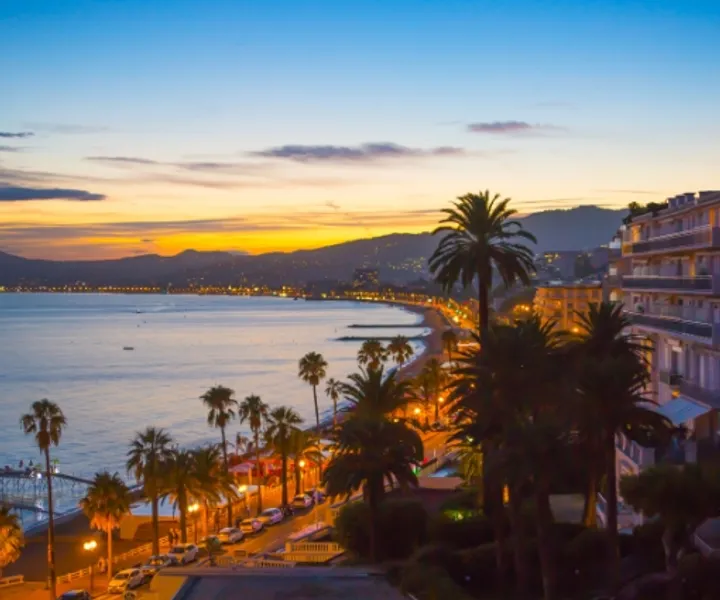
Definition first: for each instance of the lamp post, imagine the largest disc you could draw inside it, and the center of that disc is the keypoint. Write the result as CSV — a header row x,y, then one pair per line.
x,y
194,509
243,489
301,464
91,546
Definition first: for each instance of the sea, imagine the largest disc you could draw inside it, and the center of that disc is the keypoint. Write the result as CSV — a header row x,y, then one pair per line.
x,y
118,363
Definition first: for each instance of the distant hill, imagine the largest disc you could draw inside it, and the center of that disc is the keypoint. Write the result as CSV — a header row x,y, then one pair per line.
x,y
400,258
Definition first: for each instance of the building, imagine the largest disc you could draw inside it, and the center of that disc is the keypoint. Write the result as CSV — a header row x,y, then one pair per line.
x,y
562,301
671,292
366,278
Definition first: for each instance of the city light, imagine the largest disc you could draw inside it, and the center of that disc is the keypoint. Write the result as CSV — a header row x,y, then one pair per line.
x,y
417,411
301,464
89,546
441,399
193,508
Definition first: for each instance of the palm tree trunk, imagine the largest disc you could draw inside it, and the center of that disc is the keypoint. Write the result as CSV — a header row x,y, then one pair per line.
x,y
155,525
374,509
590,506
297,477
492,491
51,529
182,506
109,549
284,478
612,510
334,413
207,518
259,474
519,546
546,543
483,304
317,411
225,461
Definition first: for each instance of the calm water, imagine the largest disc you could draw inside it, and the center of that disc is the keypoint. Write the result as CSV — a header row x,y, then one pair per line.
x,y
69,349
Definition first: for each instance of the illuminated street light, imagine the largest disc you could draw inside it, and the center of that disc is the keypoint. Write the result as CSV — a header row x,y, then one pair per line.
x,y
302,464
91,546
194,509
417,411
441,399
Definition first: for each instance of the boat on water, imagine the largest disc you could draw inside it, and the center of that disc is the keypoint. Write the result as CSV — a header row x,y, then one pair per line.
x,y
128,348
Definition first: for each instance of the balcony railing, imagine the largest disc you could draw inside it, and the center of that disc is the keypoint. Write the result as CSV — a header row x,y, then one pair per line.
x,y
670,378
702,283
699,237
676,325
694,391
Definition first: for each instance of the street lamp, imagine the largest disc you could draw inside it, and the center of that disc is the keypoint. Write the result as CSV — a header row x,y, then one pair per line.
x,y
194,509
417,411
91,546
243,490
301,464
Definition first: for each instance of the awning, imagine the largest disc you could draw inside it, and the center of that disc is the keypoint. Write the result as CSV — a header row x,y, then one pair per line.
x,y
681,410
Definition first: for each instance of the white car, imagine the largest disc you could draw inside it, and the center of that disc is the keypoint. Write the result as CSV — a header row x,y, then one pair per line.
x,y
250,526
155,563
302,501
125,580
184,553
270,516
230,535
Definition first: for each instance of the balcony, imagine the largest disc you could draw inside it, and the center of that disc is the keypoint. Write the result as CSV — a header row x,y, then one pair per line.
x,y
694,391
692,239
703,284
670,378
677,325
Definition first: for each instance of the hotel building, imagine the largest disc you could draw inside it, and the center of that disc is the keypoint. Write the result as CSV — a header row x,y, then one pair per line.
x,y
670,287
562,301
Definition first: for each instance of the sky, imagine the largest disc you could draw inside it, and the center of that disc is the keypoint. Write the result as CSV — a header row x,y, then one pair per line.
x,y
131,127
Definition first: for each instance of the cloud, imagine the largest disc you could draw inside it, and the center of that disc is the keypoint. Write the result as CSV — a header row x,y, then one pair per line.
x,y
122,160
10,149
364,153
16,134
65,128
500,127
633,192
10,193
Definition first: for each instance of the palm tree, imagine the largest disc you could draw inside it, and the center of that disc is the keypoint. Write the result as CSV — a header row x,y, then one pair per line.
x,y
12,539
282,421
47,422
221,410
312,369
370,453
146,458
303,447
374,395
372,354
107,501
255,412
450,342
400,349
481,236
333,389
213,483
181,484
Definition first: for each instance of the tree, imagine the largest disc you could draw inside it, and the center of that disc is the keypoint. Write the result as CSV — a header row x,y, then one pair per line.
x,y
371,452
312,369
333,389
449,342
181,483
221,410
256,413
214,484
374,395
282,421
372,354
107,501
146,459
400,349
682,498
47,422
12,539
480,234
303,448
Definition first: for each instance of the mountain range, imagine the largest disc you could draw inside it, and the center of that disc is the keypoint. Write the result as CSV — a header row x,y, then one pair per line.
x,y
400,258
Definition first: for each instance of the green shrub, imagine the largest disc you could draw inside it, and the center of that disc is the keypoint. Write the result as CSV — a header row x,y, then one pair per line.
x,y
353,528
465,533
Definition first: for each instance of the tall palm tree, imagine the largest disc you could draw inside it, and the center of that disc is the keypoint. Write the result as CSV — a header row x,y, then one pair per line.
x,y
303,447
12,539
107,501
47,422
333,389
450,342
312,369
221,406
282,421
256,413
372,354
370,453
214,484
374,395
181,484
400,349
146,458
481,235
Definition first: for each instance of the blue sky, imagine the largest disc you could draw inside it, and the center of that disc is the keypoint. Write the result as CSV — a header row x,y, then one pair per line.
x,y
275,125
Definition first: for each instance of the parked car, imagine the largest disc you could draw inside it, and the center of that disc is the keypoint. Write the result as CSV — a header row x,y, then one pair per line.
x,y
75,595
250,526
318,496
302,501
155,563
125,580
230,535
184,553
270,516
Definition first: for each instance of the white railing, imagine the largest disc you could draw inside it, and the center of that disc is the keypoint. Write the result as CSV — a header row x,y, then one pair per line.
x,y
322,547
6,582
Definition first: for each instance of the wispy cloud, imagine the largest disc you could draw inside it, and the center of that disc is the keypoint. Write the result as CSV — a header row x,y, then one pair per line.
x,y
122,160
10,149
510,128
65,128
9,193
632,192
16,134
370,152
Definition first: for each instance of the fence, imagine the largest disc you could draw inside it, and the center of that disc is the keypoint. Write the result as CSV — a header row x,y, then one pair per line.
x,y
312,552
6,582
